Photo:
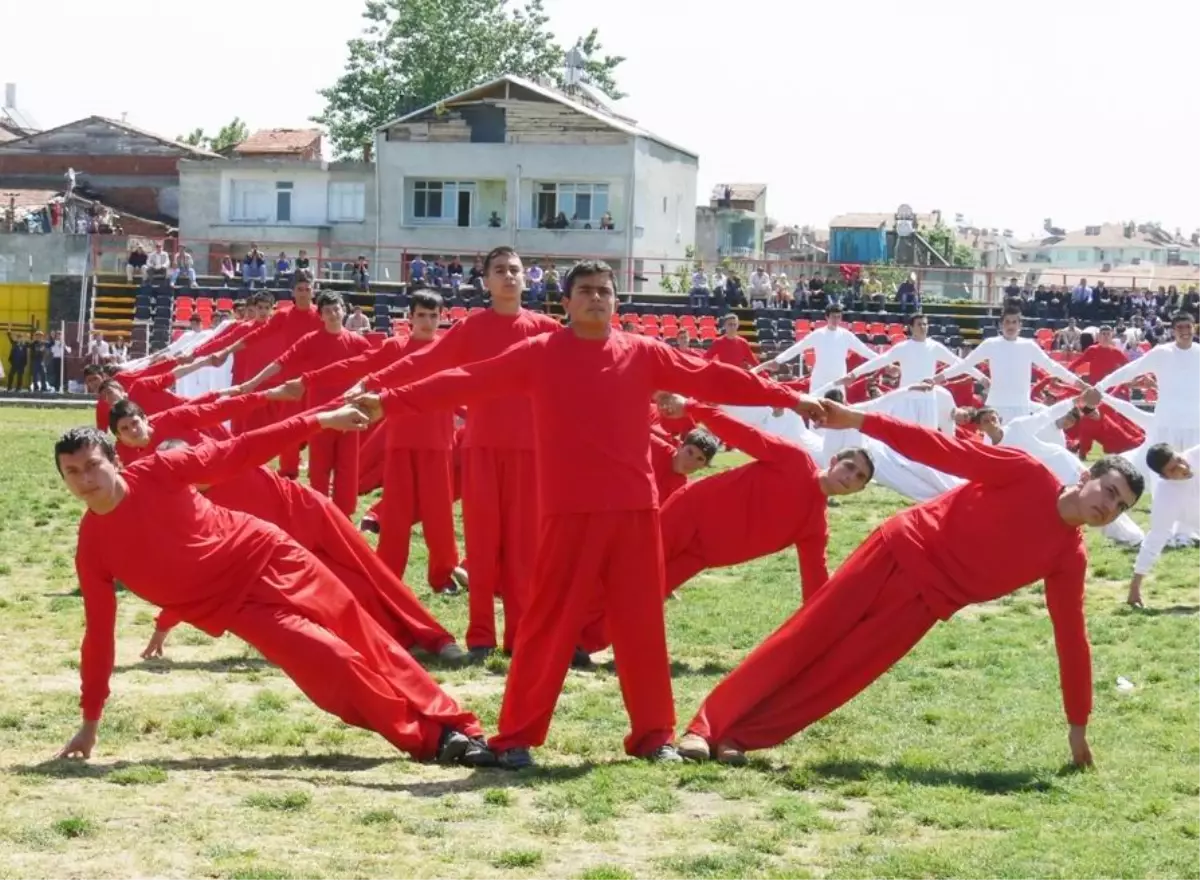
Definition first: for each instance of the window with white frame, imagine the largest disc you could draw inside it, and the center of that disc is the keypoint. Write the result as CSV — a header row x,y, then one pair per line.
x,y
445,202
251,201
583,204
347,201
283,201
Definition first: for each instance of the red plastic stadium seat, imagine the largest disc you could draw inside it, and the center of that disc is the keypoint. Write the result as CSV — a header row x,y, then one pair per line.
x,y
225,304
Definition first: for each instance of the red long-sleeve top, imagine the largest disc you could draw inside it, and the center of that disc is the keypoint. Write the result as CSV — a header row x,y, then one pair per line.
x,y
732,350
127,378
495,422
315,350
433,430
759,508
172,547
954,546
962,389
1100,360
193,422
1114,432
221,341
590,420
662,459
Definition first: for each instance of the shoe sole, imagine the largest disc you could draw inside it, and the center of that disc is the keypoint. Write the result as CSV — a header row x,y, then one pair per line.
x,y
454,750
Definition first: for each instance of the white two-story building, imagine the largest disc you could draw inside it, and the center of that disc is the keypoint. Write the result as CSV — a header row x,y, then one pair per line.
x,y
557,177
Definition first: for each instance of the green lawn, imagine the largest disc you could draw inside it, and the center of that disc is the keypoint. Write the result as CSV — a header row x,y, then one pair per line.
x,y
211,764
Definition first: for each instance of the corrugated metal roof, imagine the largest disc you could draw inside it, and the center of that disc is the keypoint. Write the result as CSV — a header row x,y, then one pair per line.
x,y
132,129
740,192
280,140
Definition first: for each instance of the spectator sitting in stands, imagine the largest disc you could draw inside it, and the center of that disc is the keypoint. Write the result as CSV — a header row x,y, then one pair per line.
x,y
254,267
800,294
184,265
606,221
1068,338
561,221
495,221
358,322
535,279
283,269
454,269
98,350
437,274
1013,290
119,353
476,277
158,264
1081,300
906,293
760,288
700,294
551,280
416,269
228,273
135,264
734,295
362,274
302,261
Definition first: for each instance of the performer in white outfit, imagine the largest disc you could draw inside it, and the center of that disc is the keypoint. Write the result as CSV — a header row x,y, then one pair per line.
x,y
1025,433
1176,509
918,358
1011,360
209,378
831,344
1176,366
917,482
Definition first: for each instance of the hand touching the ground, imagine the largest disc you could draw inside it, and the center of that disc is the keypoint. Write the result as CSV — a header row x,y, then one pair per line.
x,y
82,742
154,648
1081,752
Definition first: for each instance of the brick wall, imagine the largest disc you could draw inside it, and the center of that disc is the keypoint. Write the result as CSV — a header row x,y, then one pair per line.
x,y
14,164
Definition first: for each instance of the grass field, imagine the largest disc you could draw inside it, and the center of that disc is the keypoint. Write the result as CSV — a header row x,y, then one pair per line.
x,y
211,764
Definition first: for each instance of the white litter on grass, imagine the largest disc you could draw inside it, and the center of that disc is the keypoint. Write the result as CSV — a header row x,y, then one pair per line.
x,y
1124,684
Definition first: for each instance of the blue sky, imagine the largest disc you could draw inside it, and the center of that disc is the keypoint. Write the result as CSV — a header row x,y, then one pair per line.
x,y
1009,113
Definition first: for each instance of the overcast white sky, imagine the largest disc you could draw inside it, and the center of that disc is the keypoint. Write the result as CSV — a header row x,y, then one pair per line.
x,y
1080,110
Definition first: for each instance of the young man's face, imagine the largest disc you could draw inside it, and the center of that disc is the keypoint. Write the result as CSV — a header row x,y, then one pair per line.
x,y
920,328
194,325
112,396
505,277
1106,337
90,476
262,311
731,326
989,421
1102,499
134,431
302,293
961,415
833,320
424,323
92,382
1177,468
1010,326
688,459
847,476
1184,331
592,301
333,314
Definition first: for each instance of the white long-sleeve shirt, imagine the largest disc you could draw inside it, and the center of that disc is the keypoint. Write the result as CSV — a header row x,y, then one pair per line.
x,y
831,347
1178,373
159,260
917,360
1176,507
1023,433
1011,363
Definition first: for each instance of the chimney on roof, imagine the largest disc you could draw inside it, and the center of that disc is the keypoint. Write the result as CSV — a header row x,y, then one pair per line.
x,y
10,96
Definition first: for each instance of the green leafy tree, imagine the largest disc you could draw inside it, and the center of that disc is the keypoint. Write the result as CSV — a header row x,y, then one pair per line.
x,y
941,238
229,136
413,53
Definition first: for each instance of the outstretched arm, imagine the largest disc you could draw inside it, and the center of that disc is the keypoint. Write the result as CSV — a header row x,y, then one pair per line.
x,y
981,353
788,354
444,353
1054,368
712,381
98,650
1064,602
1147,363
346,373
736,434
205,413
1141,418
946,356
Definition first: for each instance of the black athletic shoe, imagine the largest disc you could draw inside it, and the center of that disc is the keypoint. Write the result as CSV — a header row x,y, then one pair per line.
x,y
514,759
666,754
369,525
581,659
452,746
479,655
478,754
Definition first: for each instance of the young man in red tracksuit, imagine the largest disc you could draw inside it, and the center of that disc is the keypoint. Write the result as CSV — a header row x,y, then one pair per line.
x,y
139,435
922,565
236,482
332,457
762,507
418,471
674,462
225,571
263,346
730,348
600,542
110,385
1100,359
498,484
247,364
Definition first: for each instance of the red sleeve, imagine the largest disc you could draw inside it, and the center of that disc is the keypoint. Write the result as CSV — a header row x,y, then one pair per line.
x,y
973,462
163,382
736,434
748,358
264,330
1064,601
203,413
352,369
294,361
102,409
224,339
166,621
1084,358
98,651
507,373
215,461
444,353
713,380
164,366
811,550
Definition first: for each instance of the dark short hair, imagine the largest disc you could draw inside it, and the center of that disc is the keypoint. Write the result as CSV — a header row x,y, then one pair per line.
x,y
496,253
850,452
168,445
264,297
585,268
82,438
108,385
329,298
983,411
726,317
123,409
109,370
302,276
1106,328
93,370
1182,318
1010,308
913,317
1159,456
1122,466
834,307
836,395
704,441
425,299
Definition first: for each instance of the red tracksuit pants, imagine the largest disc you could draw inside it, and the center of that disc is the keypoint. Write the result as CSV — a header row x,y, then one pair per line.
x,y
417,487
611,559
385,596
858,626
500,525
333,462
306,622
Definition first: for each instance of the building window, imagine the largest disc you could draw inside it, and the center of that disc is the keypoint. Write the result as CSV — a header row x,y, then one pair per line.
x,y
583,204
1084,257
249,201
283,202
446,202
428,199
347,202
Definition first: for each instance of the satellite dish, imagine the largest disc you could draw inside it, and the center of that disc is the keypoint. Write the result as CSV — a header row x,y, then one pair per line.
x,y
905,212
905,221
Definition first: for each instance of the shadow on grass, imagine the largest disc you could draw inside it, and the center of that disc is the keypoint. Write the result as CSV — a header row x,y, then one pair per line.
x,y
220,664
1167,611
983,781
680,669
